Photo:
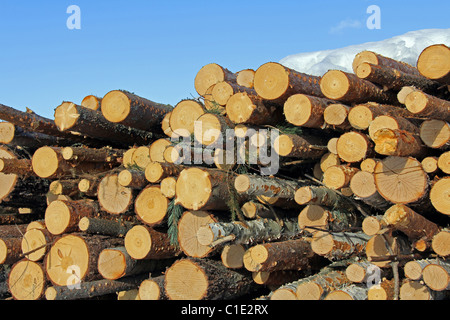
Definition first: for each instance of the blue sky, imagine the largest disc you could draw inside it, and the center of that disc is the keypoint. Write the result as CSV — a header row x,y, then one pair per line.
x,y
155,48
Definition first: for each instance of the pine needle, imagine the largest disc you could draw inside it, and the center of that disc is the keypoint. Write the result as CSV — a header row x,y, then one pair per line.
x,y
174,213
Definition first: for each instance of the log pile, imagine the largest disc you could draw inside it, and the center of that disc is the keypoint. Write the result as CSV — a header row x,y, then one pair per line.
x,y
338,191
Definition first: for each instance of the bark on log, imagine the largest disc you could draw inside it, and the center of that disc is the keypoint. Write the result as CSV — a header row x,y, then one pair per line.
x,y
20,167
322,196
362,115
384,291
363,271
253,185
399,143
107,227
303,147
428,106
15,136
348,88
81,154
130,110
382,249
339,246
195,279
10,249
380,60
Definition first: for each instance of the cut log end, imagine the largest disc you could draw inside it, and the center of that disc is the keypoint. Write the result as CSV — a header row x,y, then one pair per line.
x,y
151,206
271,81
27,281
45,162
353,147
115,106
57,217
66,116
434,62
34,241
335,84
193,188
440,196
435,133
138,242
7,132
441,243
183,117
112,264
210,75
436,277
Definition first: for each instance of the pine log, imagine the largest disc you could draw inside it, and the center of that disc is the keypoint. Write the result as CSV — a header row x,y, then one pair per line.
x,y
224,90
286,255
430,165
399,143
440,243
168,186
338,177
183,117
303,147
392,79
36,243
27,280
89,187
354,147
165,126
435,134
23,192
245,78
64,187
211,105
114,198
414,269
385,290
204,279
255,210
140,158
232,255
10,249
15,136
379,60
363,272
107,227
254,185
433,63
211,129
151,206
128,109
81,154
153,289
247,108
211,74
439,195
425,105
393,123
416,290
351,292
317,287
91,289
92,102
249,232
75,118
277,278
73,258
328,160
313,218
382,249
322,196
412,224
348,88
362,115
276,82
338,246
336,116
364,188
404,92
444,162
64,216
20,167
373,225
306,111
143,243
156,150
368,165
134,179
437,276
116,263
401,180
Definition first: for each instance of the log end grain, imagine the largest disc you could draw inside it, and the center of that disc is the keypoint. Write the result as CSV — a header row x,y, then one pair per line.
x,y
271,81
116,106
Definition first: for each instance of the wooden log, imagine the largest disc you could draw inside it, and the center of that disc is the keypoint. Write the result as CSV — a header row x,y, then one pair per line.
x,y
168,187
393,79
439,195
247,108
211,74
156,150
224,90
184,115
444,162
64,187
412,224
107,227
275,279
153,289
75,118
373,225
362,115
430,165
200,189
437,276
140,158
381,249
348,88
91,102
36,243
351,292
314,218
27,280
80,154
128,109
336,116
114,198
116,263
48,163
151,206
276,82
204,279
340,245
385,290
165,126
20,167
368,165
211,129
73,258
14,136
393,123
338,177
134,179
435,134
404,92
286,255
319,285
433,63
399,143
401,180
255,210
440,244
354,147
254,185
416,290
303,147
306,111
322,196
245,78
328,160
64,216
232,255
143,243
414,269
363,272
10,249
91,289
249,232
380,60
364,188
425,105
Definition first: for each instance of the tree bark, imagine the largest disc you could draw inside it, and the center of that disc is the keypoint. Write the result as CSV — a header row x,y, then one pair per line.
x,y
296,146
339,246
427,106
107,227
379,60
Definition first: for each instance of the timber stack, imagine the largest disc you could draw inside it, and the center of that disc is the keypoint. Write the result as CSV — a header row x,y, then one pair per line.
x,y
340,189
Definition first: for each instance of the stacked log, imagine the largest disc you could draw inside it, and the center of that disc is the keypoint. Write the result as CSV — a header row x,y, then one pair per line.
x,y
272,184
